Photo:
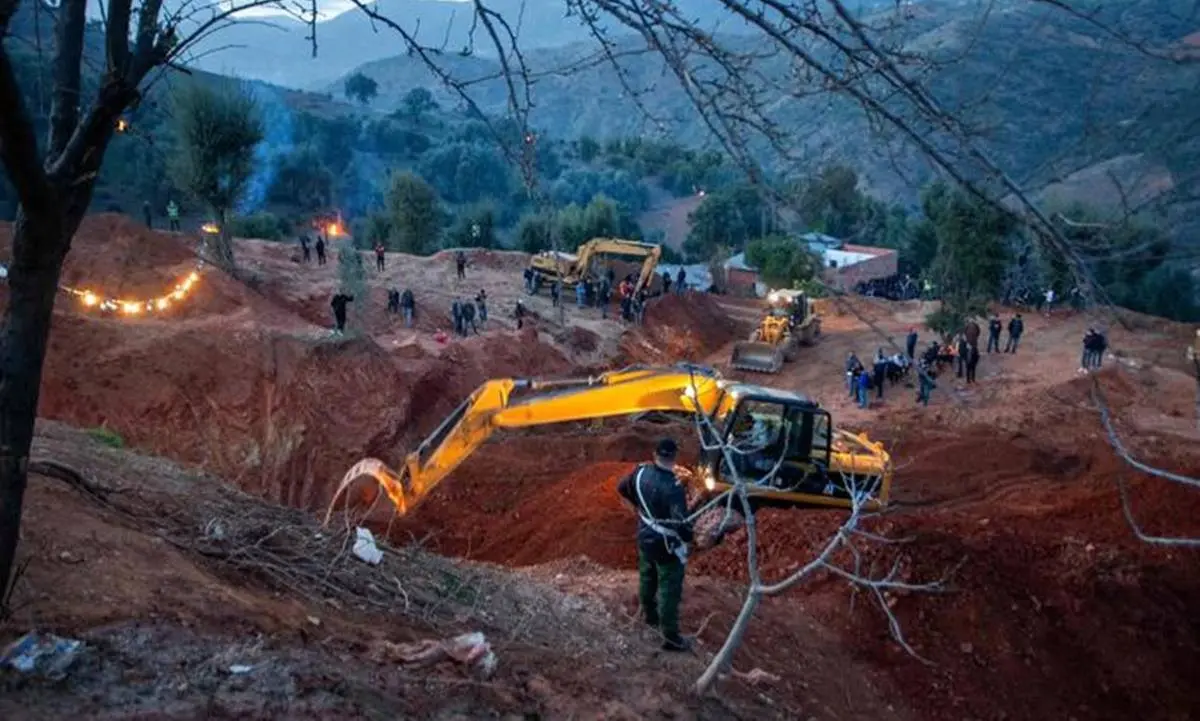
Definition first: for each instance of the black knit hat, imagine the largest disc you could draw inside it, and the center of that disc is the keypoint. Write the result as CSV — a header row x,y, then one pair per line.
x,y
666,449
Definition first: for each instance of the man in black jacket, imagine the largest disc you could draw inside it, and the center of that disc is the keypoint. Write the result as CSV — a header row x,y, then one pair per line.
x,y
910,343
994,328
972,362
663,536
1016,327
338,303
964,349
408,305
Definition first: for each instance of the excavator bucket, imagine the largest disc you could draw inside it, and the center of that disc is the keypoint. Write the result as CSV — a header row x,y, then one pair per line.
x,y
757,357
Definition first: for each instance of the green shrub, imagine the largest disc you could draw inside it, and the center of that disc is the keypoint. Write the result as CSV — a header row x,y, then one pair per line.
x,y
107,436
266,226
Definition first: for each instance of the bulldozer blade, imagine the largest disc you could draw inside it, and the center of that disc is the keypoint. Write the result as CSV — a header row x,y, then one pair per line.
x,y
757,357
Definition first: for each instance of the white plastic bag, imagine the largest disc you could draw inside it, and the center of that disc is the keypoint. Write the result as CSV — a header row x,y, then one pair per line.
x,y
365,548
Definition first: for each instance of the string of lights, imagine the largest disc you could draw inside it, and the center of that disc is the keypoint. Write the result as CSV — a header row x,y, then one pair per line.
x,y
96,300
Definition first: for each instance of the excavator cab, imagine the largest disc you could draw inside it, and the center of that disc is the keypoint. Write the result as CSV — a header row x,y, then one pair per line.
x,y
782,445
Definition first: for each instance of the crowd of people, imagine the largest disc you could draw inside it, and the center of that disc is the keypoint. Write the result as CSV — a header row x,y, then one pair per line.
x,y
961,354
469,314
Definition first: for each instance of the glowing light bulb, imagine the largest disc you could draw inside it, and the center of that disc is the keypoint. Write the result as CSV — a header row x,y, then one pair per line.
x,y
193,277
162,303
90,299
131,307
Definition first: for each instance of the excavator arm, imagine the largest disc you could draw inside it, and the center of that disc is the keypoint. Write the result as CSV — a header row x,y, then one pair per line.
x,y
520,403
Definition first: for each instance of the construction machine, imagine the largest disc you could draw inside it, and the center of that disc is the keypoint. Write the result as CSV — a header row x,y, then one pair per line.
x,y
783,445
789,321
593,259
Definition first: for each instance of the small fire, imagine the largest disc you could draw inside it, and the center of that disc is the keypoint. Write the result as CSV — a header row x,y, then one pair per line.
x,y
90,299
161,303
122,125
334,229
212,228
132,308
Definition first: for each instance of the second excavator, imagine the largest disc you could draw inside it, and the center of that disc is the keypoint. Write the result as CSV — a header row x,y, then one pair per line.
x,y
783,445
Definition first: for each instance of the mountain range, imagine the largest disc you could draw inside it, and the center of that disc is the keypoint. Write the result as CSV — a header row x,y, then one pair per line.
x,y
1049,95
279,50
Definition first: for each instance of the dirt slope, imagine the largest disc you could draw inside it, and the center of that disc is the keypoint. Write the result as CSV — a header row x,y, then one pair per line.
x,y
128,563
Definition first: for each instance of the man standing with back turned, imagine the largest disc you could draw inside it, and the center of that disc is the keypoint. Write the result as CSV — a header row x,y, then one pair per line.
x,y
663,536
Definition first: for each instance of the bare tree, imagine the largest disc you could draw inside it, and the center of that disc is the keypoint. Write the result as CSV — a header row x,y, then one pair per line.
x,y
54,181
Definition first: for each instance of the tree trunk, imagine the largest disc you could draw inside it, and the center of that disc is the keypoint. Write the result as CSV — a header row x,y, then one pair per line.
x,y
33,284
223,253
1196,361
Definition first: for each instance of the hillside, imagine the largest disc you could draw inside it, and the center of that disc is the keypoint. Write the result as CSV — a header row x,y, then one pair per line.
x,y
1049,93
180,569
323,153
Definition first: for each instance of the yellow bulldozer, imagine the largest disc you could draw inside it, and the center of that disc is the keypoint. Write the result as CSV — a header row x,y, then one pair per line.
x,y
789,453
788,323
593,259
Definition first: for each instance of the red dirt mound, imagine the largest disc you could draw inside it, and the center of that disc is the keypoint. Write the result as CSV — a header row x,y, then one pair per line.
x,y
679,327
117,257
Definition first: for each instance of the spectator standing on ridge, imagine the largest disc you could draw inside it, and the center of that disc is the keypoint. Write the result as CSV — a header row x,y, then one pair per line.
x,y
925,375
666,276
852,367
1049,301
555,292
963,348
468,312
147,215
481,305
393,304
994,328
604,297
460,264
338,303
910,343
305,253
173,215
1016,327
379,256
972,362
456,313
519,314
320,249
879,370
408,305
681,281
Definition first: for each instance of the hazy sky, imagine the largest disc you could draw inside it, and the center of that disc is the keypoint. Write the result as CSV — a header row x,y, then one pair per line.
x,y
332,8
327,8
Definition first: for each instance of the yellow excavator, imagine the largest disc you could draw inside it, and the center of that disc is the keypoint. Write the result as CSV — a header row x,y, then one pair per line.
x,y
787,449
592,259
789,322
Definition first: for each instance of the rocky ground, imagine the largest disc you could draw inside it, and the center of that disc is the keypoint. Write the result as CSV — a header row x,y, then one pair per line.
x,y
1008,489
